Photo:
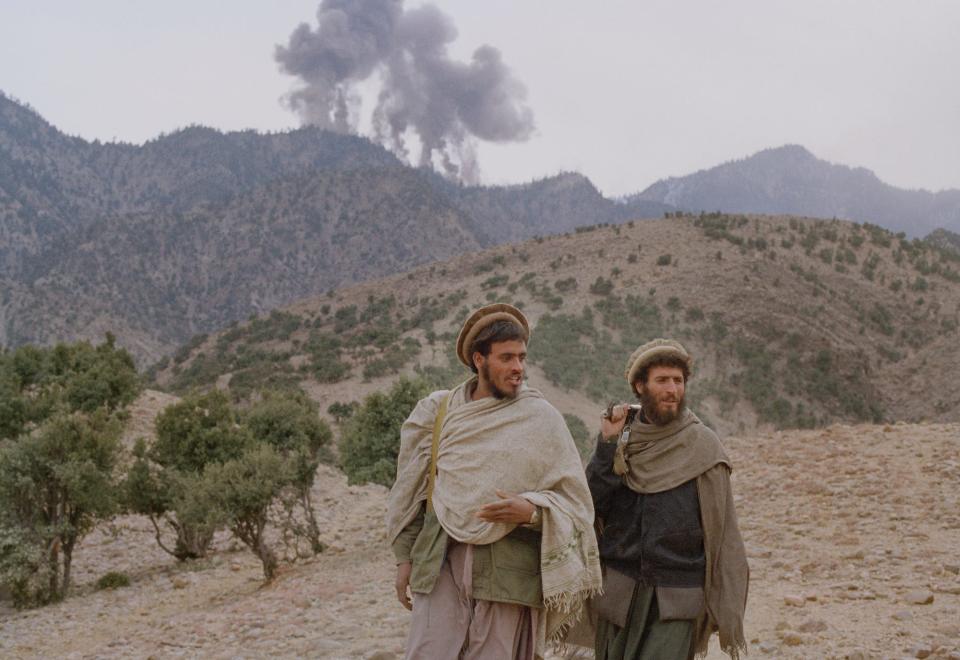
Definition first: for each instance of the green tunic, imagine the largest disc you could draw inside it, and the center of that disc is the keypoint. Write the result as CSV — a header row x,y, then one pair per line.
x,y
506,571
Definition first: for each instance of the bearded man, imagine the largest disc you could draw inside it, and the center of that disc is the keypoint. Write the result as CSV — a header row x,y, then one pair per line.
x,y
490,517
675,569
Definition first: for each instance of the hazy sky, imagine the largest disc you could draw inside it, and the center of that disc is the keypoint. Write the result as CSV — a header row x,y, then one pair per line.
x,y
624,92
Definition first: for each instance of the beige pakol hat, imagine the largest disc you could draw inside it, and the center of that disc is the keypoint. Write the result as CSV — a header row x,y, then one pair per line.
x,y
653,349
483,317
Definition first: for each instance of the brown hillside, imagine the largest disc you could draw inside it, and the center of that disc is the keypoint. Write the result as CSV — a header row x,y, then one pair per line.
x,y
794,322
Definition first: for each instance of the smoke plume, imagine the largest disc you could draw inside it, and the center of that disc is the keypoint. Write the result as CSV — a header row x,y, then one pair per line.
x,y
447,104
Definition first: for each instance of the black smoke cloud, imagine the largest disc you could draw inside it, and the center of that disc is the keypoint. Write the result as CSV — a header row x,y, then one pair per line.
x,y
448,104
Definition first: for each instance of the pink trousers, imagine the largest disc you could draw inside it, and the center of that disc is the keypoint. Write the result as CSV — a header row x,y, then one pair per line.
x,y
449,624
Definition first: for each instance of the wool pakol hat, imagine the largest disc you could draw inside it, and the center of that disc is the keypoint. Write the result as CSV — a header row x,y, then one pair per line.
x,y
653,349
483,317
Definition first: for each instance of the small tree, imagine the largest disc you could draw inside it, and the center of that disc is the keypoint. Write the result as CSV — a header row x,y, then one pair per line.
x,y
244,489
60,412
370,440
290,423
37,382
163,481
55,485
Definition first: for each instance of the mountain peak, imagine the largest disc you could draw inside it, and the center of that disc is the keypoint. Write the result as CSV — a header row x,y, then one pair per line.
x,y
786,155
791,150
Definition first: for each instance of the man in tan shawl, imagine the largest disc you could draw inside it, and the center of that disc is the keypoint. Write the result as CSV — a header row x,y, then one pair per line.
x,y
496,542
675,569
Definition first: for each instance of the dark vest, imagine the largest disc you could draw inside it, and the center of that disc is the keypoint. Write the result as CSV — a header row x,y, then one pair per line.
x,y
655,538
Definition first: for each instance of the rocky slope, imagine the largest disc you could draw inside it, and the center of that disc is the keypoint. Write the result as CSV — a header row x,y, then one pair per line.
x,y
793,322
160,277
851,534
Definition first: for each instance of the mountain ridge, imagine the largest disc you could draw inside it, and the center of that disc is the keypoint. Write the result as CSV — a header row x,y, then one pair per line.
x,y
198,228
791,180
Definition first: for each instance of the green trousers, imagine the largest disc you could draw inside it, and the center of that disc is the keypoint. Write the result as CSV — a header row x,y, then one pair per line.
x,y
644,637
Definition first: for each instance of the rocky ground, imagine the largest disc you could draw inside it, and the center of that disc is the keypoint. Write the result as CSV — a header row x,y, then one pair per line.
x,y
853,535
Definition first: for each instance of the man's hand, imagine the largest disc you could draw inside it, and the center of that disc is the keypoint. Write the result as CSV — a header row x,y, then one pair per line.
x,y
613,425
509,509
403,582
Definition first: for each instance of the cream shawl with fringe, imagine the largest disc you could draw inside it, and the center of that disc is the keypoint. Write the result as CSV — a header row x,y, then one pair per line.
x,y
519,445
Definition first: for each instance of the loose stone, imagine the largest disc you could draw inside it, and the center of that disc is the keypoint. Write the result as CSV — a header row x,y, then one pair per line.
x,y
919,597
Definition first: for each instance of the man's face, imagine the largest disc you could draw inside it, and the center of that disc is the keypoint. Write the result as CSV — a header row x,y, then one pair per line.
x,y
501,372
662,395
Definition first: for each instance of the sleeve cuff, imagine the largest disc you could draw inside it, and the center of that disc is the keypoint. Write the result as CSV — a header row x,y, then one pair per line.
x,y
606,445
401,553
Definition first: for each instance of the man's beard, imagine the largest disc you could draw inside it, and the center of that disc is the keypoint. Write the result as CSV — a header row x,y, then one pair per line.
x,y
497,392
653,413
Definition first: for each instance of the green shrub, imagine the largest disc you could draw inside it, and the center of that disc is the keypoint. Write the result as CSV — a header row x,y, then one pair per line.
x,y
566,285
25,568
163,481
495,281
869,267
290,423
35,382
244,489
580,433
113,580
370,439
601,287
485,267
212,467
203,371
324,351
810,241
60,419
693,315
196,431
345,318
55,485
278,326
664,260
375,369
341,411
882,319
262,375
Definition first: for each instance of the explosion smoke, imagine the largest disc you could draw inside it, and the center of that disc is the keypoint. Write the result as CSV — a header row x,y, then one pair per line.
x,y
446,103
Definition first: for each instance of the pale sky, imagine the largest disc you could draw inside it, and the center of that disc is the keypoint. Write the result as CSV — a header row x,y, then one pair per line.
x,y
623,92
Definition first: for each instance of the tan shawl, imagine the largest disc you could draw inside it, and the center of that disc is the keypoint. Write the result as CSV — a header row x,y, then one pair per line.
x,y
658,458
518,445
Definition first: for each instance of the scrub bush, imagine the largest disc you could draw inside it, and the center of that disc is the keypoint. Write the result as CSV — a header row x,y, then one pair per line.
x,y
370,440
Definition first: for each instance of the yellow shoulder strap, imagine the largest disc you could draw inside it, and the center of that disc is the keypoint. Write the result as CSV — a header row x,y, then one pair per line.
x,y
432,475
